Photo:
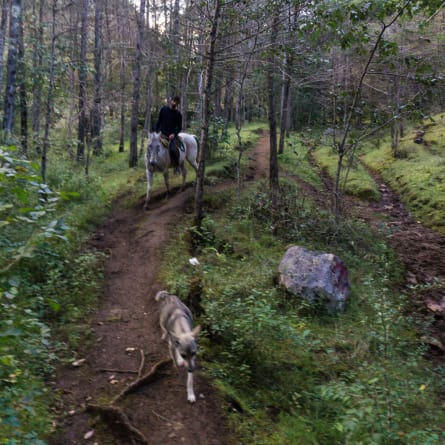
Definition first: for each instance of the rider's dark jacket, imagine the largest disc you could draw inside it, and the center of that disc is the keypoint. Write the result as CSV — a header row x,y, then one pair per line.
x,y
169,121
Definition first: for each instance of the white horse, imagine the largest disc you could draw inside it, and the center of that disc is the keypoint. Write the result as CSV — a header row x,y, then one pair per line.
x,y
157,158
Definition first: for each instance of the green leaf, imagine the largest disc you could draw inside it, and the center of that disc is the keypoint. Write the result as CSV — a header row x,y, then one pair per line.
x,y
13,332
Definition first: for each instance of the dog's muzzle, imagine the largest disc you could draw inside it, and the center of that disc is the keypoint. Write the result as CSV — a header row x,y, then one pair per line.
x,y
190,366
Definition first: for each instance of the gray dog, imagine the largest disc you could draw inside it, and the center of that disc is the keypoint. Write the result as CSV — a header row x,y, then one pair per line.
x,y
177,327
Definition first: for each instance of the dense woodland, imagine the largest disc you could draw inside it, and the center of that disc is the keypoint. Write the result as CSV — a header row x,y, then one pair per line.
x,y
86,66
82,80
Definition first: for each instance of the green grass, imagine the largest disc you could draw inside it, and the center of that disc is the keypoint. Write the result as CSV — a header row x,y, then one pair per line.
x,y
295,374
296,160
354,178
418,174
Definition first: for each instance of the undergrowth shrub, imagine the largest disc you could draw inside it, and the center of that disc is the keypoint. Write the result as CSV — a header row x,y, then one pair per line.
x,y
46,284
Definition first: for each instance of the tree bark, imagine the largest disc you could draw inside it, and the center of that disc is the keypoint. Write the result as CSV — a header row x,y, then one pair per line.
x,y
136,89
284,111
96,118
37,82
3,24
49,99
83,124
11,70
273,163
211,55
21,81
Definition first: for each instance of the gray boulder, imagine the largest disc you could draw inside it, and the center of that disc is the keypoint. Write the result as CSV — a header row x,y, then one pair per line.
x,y
315,276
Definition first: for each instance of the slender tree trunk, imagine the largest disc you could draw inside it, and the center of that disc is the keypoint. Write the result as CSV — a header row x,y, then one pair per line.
x,y
21,81
285,102
147,123
72,108
11,75
82,126
211,54
273,170
37,60
96,118
3,24
136,89
49,99
122,106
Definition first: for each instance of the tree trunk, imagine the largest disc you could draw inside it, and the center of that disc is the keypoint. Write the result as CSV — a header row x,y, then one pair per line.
x,y
49,99
3,24
82,126
147,122
273,166
285,102
122,107
21,81
11,69
37,82
210,56
96,118
136,89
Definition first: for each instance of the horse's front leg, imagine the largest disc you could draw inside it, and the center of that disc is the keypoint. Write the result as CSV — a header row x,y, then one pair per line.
x,y
149,187
167,184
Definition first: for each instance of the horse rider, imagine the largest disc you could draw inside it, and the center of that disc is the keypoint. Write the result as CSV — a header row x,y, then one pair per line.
x,y
170,124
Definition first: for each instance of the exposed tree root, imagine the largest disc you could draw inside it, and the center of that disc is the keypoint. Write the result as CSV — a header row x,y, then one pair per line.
x,y
152,375
114,415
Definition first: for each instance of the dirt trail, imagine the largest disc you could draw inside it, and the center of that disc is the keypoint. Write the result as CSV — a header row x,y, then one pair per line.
x,y
128,318
421,250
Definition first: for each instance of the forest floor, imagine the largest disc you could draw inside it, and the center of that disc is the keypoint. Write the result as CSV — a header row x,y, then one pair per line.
x,y
124,339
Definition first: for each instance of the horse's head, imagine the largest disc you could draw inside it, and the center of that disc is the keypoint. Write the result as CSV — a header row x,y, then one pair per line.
x,y
155,157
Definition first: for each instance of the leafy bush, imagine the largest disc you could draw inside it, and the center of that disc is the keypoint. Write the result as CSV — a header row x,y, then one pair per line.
x,y
41,285
27,210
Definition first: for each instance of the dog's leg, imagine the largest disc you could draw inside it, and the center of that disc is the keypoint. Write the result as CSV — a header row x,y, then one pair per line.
x,y
164,332
179,359
190,392
174,354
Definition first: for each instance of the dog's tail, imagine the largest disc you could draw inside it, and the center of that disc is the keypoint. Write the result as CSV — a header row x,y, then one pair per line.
x,y
161,295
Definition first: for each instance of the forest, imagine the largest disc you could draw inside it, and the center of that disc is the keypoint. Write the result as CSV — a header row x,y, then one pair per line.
x,y
342,100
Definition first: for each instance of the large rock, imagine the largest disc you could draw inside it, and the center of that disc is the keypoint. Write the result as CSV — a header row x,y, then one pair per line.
x,y
315,276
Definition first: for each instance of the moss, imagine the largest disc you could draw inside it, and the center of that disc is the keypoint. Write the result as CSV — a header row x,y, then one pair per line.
x,y
354,180
418,177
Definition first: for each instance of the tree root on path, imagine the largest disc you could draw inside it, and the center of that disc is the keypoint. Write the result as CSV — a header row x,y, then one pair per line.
x,y
115,416
152,375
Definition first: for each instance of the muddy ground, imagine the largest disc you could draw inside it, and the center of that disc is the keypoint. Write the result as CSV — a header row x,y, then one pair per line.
x,y
124,342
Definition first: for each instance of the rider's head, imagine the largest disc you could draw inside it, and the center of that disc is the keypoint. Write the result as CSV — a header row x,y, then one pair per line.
x,y
175,101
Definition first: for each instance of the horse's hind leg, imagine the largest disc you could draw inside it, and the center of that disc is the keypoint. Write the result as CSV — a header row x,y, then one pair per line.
x,y
184,175
167,184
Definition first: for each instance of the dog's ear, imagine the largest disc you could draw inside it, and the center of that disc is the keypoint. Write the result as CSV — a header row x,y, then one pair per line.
x,y
196,331
161,295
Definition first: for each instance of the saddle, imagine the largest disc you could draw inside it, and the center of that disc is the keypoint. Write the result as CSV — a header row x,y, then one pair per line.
x,y
166,142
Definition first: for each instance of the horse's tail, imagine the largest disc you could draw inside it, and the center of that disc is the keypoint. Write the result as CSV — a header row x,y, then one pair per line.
x,y
197,141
